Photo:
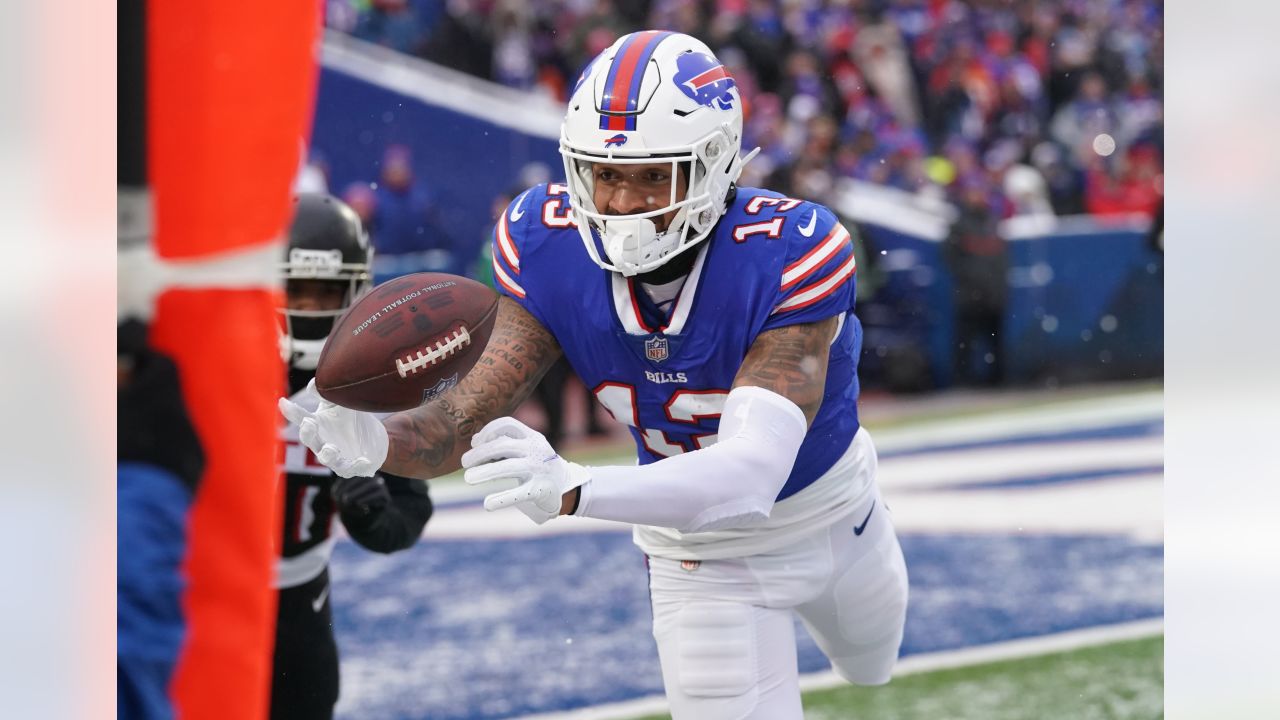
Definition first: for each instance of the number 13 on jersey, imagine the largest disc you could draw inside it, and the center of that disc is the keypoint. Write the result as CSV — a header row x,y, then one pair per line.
x,y
694,408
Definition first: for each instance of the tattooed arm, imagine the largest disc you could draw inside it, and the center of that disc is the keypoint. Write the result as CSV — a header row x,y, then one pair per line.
x,y
428,441
791,361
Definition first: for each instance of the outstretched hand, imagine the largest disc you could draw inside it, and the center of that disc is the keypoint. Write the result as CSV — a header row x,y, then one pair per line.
x,y
347,441
507,449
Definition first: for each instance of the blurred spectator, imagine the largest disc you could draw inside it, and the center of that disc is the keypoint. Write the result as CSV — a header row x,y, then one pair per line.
x,y
393,23
362,199
1027,192
1064,181
1089,114
1135,188
1022,188
1072,51
976,256
461,41
1139,113
590,32
159,461
514,63
951,110
407,237
880,52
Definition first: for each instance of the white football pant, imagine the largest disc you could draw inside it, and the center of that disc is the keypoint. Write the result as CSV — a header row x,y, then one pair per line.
x,y
724,628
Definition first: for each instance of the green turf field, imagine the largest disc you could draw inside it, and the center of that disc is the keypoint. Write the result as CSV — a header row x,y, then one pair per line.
x,y
1123,680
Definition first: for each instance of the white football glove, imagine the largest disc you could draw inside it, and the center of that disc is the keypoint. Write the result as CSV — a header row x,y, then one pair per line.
x,y
348,441
507,449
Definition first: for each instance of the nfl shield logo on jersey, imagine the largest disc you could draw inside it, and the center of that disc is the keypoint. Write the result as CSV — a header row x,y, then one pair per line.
x,y
655,348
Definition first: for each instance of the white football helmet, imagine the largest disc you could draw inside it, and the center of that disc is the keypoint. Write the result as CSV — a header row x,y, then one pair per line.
x,y
653,96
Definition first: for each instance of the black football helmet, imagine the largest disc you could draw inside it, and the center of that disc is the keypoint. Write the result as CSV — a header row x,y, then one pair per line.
x,y
326,242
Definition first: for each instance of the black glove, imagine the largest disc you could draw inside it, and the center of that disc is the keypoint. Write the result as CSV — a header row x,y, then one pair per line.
x,y
152,425
360,496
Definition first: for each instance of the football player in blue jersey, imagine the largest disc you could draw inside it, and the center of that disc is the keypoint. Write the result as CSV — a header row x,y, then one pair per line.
x,y
717,323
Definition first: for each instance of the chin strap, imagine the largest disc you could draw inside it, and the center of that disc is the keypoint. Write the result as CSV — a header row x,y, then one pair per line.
x,y
300,354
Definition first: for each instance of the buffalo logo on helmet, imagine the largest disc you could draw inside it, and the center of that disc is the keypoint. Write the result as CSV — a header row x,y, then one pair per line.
x,y
616,141
706,82
655,348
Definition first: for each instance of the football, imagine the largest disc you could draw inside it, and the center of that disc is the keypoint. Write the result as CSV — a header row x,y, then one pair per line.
x,y
405,342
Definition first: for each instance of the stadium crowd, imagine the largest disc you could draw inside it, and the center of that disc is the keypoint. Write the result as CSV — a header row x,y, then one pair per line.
x,y
1045,106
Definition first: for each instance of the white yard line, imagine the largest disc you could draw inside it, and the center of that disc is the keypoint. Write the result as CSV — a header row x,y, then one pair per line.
x,y
1132,505
929,662
1066,416
936,470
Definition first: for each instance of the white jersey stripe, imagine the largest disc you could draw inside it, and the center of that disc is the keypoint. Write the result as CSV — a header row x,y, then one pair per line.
x,y
304,567
507,247
815,258
819,290
505,280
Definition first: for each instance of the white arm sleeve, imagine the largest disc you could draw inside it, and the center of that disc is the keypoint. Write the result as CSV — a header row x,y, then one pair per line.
x,y
730,484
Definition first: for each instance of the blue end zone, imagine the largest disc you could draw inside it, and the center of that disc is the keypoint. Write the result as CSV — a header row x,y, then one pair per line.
x,y
497,628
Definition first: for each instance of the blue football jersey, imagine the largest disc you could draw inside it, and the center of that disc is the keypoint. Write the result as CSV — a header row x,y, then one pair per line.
x,y
772,261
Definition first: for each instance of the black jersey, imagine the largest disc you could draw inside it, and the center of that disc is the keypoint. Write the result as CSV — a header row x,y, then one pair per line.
x,y
310,511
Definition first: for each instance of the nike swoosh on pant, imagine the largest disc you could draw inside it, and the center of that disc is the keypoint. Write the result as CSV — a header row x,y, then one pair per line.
x,y
857,529
319,601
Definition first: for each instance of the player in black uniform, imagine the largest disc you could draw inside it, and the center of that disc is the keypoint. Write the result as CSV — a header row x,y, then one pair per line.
x,y
326,268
